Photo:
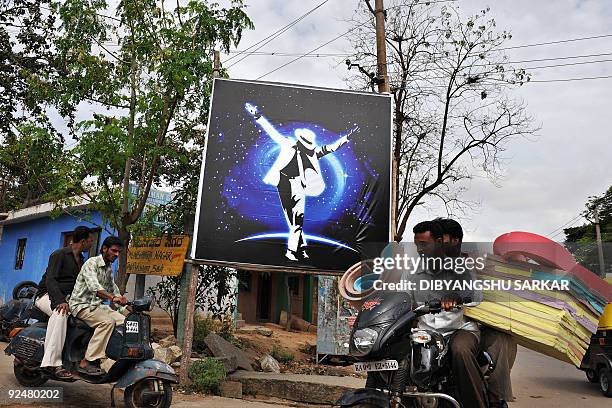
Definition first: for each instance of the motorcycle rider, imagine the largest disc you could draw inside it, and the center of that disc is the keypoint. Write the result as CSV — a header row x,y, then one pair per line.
x,y
55,285
501,346
464,334
93,285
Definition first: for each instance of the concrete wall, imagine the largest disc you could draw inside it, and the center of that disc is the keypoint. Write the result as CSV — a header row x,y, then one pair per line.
x,y
44,235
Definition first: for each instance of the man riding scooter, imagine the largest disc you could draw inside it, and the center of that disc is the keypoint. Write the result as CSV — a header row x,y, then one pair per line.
x,y
56,284
93,285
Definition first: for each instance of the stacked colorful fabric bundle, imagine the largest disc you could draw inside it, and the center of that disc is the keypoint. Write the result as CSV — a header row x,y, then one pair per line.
x,y
558,323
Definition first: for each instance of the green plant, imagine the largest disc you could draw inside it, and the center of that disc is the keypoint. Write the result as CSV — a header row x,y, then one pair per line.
x,y
281,355
206,375
203,326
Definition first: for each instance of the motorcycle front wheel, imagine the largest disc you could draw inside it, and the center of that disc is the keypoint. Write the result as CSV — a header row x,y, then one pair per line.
x,y
149,393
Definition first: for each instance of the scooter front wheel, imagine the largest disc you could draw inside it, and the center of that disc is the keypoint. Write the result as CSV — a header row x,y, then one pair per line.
x,y
149,393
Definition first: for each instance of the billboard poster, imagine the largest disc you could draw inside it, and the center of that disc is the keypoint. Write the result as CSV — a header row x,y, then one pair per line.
x,y
293,177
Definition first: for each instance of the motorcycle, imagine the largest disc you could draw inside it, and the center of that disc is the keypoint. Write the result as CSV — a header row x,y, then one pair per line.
x,y
406,367
14,314
146,382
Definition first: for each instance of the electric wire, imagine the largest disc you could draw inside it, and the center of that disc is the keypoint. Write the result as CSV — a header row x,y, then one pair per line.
x,y
260,44
307,53
564,225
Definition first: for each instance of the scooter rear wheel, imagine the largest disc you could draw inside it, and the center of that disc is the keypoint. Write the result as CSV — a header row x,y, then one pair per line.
x,y
28,378
149,393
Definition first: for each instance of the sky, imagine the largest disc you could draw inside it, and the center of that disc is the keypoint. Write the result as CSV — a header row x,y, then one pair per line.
x,y
546,179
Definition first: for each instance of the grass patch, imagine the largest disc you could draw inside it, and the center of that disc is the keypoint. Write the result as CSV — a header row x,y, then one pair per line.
x,y
281,355
206,375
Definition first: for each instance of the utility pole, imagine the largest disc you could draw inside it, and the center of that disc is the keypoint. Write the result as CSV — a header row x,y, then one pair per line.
x,y
216,64
381,48
602,268
383,87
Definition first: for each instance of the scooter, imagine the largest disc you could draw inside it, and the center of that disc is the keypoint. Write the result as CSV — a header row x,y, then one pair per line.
x,y
406,367
147,382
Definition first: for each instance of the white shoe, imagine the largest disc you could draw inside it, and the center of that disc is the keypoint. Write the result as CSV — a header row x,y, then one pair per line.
x,y
290,255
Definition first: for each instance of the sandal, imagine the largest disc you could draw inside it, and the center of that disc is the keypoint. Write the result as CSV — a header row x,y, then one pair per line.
x,y
62,374
91,369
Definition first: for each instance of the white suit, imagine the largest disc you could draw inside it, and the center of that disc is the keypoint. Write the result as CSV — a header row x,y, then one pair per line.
x,y
296,174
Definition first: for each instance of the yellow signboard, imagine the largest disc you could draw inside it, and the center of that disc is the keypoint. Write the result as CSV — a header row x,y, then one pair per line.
x,y
163,255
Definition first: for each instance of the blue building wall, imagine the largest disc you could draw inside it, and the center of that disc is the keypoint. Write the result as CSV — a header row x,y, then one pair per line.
x,y
44,235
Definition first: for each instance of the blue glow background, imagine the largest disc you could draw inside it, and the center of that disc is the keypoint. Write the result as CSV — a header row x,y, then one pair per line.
x,y
342,171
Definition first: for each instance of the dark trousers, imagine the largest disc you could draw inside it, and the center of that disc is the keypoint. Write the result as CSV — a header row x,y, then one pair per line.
x,y
466,371
502,348
293,201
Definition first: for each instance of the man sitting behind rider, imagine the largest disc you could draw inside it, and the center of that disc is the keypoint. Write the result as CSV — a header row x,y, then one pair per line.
x,y
94,285
56,284
501,346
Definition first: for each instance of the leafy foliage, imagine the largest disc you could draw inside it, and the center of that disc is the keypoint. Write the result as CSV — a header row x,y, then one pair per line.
x,y
214,294
581,240
206,375
29,159
143,70
203,326
26,57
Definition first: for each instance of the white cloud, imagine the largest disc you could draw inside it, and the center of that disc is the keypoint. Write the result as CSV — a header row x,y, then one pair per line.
x,y
546,181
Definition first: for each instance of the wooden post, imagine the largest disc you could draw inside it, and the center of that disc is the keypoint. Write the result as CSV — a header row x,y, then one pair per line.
x,y
189,317
139,286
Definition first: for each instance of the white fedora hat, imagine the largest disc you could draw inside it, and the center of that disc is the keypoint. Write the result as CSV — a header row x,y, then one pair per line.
x,y
307,137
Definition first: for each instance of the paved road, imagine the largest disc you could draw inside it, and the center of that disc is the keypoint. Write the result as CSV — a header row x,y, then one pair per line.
x,y
539,382
80,394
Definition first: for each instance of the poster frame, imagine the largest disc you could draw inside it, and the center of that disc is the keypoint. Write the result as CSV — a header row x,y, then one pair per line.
x,y
277,268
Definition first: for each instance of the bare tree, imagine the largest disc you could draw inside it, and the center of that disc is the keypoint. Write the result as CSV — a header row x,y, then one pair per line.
x,y
450,80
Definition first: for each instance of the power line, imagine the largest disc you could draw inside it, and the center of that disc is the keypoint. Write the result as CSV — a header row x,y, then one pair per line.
x,y
572,79
564,225
260,44
307,53
594,37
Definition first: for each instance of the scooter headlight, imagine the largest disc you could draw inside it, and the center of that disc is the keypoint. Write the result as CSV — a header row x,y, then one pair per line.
x,y
363,340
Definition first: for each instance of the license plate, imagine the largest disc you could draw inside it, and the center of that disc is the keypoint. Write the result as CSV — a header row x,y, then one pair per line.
x,y
383,365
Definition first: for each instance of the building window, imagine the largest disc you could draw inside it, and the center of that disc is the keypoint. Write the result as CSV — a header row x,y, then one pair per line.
x,y
95,233
67,239
20,255
95,244
294,285
244,281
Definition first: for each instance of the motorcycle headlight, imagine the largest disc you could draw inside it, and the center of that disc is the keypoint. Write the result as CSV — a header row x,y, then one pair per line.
x,y
421,336
364,340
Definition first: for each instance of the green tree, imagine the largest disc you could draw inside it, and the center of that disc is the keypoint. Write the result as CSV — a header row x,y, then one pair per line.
x,y
29,146
581,240
453,114
144,71
26,30
29,158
